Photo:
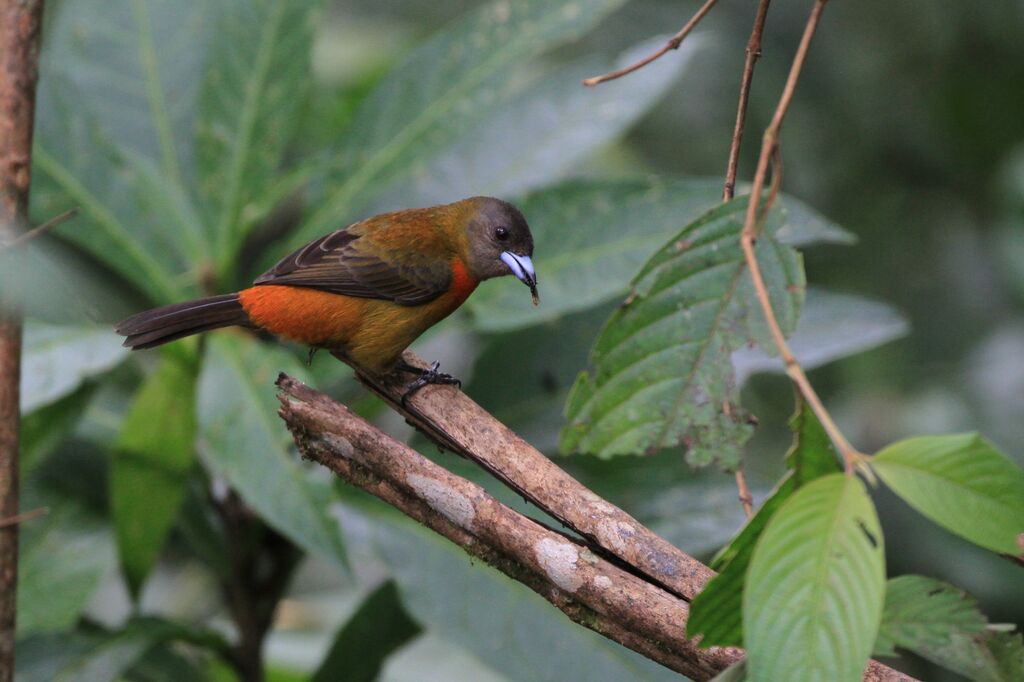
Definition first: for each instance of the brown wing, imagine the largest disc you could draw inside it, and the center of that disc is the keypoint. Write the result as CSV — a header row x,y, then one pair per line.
x,y
337,263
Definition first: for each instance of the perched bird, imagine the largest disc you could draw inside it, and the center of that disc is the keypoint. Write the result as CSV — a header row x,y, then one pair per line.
x,y
369,290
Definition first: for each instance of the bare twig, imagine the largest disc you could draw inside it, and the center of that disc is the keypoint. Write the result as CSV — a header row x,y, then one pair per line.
x,y
453,421
20,24
24,516
746,499
598,593
41,229
672,44
753,54
851,457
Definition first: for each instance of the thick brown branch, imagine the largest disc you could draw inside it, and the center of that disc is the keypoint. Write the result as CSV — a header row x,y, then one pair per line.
x,y
591,590
453,421
20,23
673,44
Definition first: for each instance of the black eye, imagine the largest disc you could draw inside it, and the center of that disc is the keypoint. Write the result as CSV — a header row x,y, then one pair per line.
x,y
501,234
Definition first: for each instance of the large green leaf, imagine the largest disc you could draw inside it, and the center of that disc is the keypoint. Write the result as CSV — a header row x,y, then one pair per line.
x,y
127,71
542,130
924,613
963,483
252,90
379,627
149,471
58,358
509,627
44,429
717,612
590,238
663,373
815,586
242,440
441,89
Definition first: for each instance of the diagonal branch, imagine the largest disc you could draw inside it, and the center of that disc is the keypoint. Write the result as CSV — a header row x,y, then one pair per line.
x,y
596,592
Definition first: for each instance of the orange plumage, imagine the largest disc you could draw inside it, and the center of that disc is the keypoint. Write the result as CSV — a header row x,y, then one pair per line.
x,y
368,290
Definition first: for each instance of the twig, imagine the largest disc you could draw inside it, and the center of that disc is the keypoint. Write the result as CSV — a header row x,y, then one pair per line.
x,y
24,516
746,499
753,54
672,44
41,229
20,28
851,457
453,421
591,590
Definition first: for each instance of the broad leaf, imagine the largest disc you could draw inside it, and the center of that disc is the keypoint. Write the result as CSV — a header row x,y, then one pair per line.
x,y
663,375
962,483
63,557
243,441
441,89
924,614
502,622
58,358
815,586
717,612
149,471
378,628
831,326
252,90
44,429
543,129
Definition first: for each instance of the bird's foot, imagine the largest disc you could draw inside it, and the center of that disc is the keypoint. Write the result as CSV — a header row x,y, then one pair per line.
x,y
312,354
425,377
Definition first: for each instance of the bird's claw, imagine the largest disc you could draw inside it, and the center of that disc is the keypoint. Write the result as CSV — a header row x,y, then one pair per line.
x,y
425,377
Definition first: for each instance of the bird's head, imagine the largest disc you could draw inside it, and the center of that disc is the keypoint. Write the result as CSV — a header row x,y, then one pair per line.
x,y
499,242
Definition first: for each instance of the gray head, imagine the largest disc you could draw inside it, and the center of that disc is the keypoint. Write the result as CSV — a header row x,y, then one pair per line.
x,y
499,242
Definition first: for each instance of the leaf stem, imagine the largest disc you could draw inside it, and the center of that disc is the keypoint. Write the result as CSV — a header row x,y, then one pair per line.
x,y
672,44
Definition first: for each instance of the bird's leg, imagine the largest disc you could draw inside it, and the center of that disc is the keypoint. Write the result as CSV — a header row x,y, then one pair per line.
x,y
424,377
312,352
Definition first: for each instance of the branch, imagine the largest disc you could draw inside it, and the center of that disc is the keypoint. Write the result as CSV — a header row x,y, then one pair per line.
x,y
20,24
593,591
672,44
851,457
23,517
453,421
40,229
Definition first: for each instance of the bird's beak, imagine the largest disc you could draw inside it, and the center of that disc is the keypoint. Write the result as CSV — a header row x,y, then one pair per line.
x,y
522,268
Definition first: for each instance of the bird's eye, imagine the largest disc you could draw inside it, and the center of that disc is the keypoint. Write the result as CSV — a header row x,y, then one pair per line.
x,y
501,234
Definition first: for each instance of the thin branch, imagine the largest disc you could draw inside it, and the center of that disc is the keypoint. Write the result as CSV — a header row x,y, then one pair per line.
x,y
672,44
851,457
746,499
24,516
453,421
592,590
753,54
41,229
20,28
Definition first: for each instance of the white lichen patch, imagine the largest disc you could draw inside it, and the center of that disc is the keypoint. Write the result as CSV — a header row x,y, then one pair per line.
x,y
450,503
342,446
602,582
558,559
615,534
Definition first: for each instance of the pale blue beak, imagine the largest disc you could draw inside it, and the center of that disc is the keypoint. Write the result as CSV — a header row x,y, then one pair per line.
x,y
522,268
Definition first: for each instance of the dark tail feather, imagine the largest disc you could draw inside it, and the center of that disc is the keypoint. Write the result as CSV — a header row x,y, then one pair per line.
x,y
162,325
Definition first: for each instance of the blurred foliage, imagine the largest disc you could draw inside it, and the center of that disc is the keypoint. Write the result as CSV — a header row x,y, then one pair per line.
x,y
201,139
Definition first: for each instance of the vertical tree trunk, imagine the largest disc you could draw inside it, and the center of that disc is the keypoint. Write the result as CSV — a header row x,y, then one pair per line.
x,y
20,23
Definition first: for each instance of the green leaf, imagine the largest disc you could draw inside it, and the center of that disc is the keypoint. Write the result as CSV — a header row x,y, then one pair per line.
x,y
506,625
590,238
816,585
442,88
717,612
58,358
961,482
805,226
663,372
737,672
63,556
543,130
252,90
924,614
831,326
149,471
244,441
44,429
378,628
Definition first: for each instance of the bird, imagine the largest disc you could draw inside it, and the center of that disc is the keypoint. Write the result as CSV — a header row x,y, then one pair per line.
x,y
368,290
